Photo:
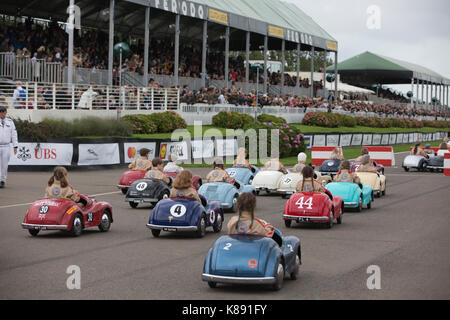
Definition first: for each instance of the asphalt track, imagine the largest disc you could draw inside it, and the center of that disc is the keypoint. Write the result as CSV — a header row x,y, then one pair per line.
x,y
406,234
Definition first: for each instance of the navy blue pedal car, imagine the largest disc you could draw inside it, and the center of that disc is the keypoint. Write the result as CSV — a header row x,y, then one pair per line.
x,y
183,214
247,259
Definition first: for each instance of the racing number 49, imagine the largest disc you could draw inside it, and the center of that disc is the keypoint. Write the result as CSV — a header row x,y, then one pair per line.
x,y
300,203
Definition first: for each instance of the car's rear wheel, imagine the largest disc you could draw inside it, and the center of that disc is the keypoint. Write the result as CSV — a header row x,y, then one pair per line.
x,y
406,169
384,191
33,232
331,222
156,233
234,203
284,196
250,181
339,220
124,190
288,223
369,205
212,284
279,277
201,228
219,223
105,224
296,272
77,225
133,204
359,209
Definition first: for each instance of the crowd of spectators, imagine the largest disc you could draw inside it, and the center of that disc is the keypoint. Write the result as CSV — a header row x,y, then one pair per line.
x,y
50,43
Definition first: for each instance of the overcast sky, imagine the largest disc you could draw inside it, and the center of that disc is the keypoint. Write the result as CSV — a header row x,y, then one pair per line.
x,y
415,31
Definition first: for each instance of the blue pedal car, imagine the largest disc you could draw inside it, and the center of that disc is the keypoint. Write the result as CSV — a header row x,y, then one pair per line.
x,y
242,174
353,195
246,259
182,214
225,193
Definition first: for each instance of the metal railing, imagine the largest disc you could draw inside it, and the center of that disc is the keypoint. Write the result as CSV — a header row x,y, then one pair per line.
x,y
39,95
24,68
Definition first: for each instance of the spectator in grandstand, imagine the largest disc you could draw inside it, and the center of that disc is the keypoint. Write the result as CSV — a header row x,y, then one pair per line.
x,y
19,96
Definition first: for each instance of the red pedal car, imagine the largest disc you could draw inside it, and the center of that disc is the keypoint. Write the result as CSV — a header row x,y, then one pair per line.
x,y
132,175
66,215
313,207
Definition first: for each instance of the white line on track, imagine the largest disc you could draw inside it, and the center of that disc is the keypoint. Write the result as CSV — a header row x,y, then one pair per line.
x,y
27,204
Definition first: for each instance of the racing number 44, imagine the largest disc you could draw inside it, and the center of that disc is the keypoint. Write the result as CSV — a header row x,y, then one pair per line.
x,y
308,203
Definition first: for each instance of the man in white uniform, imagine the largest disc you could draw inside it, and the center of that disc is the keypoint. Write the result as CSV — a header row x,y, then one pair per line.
x,y
8,135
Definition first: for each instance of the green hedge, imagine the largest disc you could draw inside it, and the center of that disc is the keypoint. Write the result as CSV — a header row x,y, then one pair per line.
x,y
270,118
159,122
334,120
58,128
231,120
291,140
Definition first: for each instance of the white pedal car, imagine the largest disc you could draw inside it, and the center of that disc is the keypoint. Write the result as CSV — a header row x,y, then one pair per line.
x,y
267,180
288,183
375,180
418,162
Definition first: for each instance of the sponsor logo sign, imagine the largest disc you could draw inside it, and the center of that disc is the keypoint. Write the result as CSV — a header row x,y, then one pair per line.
x,y
276,32
218,16
98,154
43,154
131,150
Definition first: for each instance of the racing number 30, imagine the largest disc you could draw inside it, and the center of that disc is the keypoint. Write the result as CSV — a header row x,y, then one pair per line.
x,y
300,203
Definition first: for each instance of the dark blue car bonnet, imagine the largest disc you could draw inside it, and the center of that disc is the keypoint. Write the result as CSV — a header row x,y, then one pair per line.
x,y
176,212
330,166
241,256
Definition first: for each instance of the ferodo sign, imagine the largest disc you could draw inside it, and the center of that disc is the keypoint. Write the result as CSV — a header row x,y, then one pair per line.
x,y
43,154
185,8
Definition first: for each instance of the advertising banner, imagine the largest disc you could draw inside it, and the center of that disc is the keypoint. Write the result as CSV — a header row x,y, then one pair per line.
x,y
226,147
179,148
389,139
98,154
332,140
357,139
346,140
202,149
319,140
131,150
376,139
42,154
367,139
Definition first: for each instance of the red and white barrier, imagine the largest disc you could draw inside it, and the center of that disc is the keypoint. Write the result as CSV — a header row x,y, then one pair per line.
x,y
447,164
382,155
320,154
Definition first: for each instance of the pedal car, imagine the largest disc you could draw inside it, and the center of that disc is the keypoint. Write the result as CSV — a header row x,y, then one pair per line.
x,y
288,183
436,163
225,193
147,191
313,207
183,214
376,181
330,168
267,180
242,174
246,259
130,176
356,164
352,194
413,161
66,215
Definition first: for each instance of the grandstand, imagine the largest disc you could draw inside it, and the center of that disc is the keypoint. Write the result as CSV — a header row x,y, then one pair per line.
x,y
199,33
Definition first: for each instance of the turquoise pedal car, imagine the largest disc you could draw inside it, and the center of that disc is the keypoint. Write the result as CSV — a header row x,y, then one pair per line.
x,y
242,174
225,193
353,195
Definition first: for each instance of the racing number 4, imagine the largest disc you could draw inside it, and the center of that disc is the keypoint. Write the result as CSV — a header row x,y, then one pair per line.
x,y
300,203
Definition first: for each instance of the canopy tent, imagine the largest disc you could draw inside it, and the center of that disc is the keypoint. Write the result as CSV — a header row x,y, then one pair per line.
x,y
367,69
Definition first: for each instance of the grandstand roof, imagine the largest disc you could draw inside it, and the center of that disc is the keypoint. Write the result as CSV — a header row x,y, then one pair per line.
x,y
279,20
369,68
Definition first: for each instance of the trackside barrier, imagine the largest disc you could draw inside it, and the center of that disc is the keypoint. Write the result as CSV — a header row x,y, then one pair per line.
x,y
382,155
447,164
320,154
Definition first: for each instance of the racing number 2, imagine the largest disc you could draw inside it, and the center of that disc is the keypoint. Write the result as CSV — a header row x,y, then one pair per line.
x,y
300,203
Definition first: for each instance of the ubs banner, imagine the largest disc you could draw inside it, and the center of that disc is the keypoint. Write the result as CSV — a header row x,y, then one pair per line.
x,y
43,154
98,154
